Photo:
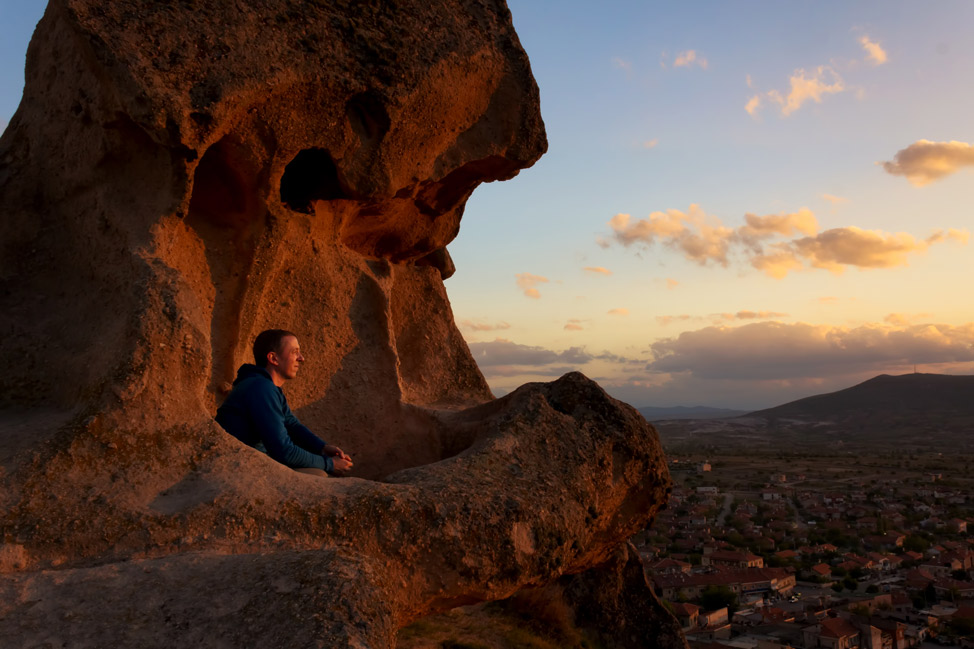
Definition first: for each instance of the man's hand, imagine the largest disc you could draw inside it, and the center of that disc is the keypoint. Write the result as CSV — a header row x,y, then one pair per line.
x,y
340,461
331,450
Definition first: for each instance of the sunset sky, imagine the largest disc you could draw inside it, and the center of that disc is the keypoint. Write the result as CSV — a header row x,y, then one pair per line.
x,y
743,203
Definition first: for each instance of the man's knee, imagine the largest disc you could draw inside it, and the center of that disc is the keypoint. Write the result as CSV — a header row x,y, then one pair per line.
x,y
312,471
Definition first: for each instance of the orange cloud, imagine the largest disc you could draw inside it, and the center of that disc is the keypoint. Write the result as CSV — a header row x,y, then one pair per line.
x,y
688,58
701,238
835,200
619,311
924,161
671,283
804,86
573,325
670,319
527,283
483,326
874,53
750,315
598,270
704,239
774,350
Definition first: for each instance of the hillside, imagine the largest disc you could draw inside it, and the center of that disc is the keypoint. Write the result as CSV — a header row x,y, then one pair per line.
x,y
652,413
884,396
885,413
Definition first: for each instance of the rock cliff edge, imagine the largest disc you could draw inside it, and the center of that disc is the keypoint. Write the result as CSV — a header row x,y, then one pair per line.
x,y
180,176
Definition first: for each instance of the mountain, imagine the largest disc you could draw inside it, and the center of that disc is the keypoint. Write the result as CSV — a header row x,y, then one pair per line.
x,y
911,412
687,412
884,396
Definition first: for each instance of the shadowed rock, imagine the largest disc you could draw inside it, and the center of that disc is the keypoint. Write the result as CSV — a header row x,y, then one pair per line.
x,y
181,176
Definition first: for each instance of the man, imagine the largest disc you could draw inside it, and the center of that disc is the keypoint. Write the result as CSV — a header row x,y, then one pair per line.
x,y
256,412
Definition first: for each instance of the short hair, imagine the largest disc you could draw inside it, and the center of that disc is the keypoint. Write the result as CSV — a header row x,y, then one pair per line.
x,y
267,342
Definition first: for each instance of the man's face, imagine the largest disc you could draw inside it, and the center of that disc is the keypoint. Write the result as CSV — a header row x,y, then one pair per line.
x,y
289,357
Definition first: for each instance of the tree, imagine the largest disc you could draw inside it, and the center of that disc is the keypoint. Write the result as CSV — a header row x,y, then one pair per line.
x,y
872,588
716,597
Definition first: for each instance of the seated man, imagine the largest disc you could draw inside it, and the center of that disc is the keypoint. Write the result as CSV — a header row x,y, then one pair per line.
x,y
256,412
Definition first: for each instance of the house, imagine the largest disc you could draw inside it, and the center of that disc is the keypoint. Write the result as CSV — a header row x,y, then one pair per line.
x,y
831,633
686,614
746,583
669,566
822,570
732,559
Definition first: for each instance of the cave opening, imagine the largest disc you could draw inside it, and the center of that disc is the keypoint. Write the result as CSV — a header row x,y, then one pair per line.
x,y
310,176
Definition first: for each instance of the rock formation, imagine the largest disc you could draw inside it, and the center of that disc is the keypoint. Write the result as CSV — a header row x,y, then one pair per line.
x,y
181,176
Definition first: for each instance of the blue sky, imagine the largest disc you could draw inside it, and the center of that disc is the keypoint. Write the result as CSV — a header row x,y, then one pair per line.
x,y
768,254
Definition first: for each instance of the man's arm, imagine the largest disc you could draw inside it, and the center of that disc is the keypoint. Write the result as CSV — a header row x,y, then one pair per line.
x,y
268,411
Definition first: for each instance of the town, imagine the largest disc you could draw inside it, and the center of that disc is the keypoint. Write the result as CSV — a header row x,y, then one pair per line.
x,y
841,550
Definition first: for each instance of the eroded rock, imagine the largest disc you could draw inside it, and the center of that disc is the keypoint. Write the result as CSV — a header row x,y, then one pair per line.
x,y
181,176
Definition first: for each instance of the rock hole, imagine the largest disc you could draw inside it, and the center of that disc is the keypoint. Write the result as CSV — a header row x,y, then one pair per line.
x,y
310,176
227,213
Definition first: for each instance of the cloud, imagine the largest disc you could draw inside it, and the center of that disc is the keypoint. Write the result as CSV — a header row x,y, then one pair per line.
x,y
620,311
574,325
599,270
751,315
903,319
804,86
835,200
649,144
621,64
874,53
753,104
699,237
671,283
504,358
924,161
851,246
688,58
774,350
704,240
670,319
527,283
473,325
758,228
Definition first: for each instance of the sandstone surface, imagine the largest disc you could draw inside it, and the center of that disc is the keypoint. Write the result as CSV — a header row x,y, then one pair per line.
x,y
180,176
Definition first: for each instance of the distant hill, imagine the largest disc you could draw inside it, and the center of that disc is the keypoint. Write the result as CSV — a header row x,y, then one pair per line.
x,y
908,412
687,412
884,396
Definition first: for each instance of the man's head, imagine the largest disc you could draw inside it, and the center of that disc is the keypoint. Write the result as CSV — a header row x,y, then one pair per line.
x,y
277,351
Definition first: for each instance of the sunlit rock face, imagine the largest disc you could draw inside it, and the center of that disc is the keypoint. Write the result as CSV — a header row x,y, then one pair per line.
x,y
180,176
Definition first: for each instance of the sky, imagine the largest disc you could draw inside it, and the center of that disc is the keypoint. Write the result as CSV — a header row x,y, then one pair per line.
x,y
743,203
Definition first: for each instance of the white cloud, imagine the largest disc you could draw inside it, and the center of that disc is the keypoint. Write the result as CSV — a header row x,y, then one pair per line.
x,y
874,53
924,161
528,283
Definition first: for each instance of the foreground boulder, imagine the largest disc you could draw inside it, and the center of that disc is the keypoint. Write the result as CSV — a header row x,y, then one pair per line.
x,y
182,176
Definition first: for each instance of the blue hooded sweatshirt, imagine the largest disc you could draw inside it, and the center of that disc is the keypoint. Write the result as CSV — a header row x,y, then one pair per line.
x,y
257,414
